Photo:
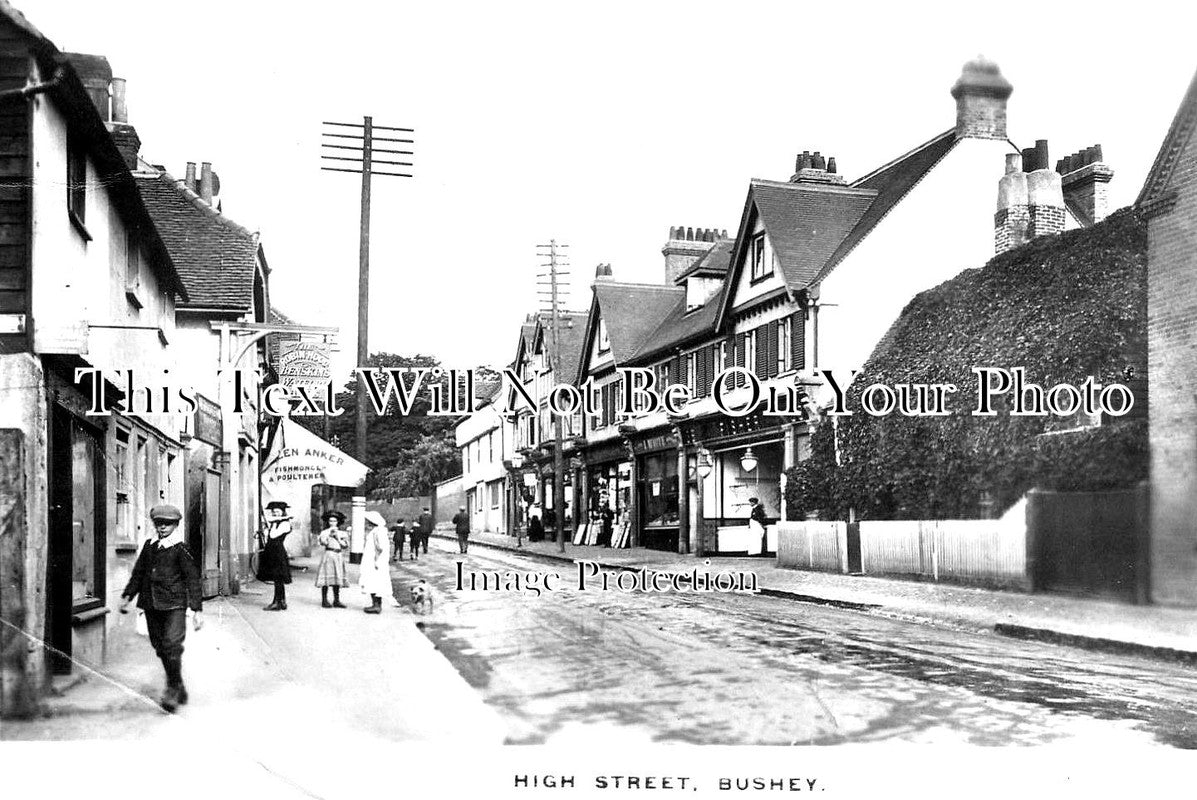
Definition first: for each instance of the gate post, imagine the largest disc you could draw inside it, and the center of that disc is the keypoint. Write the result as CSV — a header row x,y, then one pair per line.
x,y
1143,543
1034,532
16,695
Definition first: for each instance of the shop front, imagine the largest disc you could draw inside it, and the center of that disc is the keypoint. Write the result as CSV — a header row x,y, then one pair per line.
x,y
738,459
658,492
608,493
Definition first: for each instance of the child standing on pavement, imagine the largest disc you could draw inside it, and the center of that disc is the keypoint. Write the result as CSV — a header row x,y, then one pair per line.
x,y
332,571
166,582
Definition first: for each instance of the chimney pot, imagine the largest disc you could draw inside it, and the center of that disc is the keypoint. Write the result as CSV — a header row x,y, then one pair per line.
x,y
831,164
189,181
819,161
206,187
689,234
120,109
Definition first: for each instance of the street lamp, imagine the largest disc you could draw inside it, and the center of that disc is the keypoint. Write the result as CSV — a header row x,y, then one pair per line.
x,y
748,460
706,463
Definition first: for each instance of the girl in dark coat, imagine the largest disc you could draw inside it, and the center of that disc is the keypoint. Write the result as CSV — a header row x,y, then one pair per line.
x,y
274,566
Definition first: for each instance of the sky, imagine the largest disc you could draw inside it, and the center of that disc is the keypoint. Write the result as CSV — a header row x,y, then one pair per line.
x,y
596,125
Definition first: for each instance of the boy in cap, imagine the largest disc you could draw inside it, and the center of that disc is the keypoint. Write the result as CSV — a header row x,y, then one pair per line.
x,y
166,582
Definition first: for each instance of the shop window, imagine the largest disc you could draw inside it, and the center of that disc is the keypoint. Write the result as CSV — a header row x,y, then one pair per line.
x,y
86,568
660,490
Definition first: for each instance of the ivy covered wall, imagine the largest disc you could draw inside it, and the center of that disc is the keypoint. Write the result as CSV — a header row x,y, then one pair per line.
x,y
1063,307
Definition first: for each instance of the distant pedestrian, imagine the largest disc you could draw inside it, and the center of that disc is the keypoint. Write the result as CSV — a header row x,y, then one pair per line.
x,y
461,522
401,534
607,516
375,579
166,582
332,571
535,529
274,565
426,522
756,524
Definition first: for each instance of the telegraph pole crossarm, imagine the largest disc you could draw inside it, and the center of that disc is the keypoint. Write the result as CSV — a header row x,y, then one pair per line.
x,y
363,163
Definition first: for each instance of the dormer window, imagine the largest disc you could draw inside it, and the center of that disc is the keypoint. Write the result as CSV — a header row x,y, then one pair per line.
x,y
761,268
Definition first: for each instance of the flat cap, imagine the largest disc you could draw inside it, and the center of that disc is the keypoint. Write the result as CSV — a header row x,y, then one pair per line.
x,y
166,512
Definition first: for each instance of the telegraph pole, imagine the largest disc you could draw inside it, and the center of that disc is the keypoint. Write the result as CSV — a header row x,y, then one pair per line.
x,y
555,276
362,162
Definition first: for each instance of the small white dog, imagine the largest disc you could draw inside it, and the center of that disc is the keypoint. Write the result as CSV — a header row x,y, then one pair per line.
x,y
421,597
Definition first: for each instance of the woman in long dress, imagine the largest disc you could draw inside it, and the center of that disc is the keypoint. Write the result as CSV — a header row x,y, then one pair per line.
x,y
332,571
375,579
274,566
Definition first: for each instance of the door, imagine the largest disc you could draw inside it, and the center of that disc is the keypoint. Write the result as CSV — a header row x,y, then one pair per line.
x,y
210,531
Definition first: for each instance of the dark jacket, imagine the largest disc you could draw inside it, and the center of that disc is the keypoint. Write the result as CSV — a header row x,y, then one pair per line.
x,y
461,522
165,580
425,523
758,513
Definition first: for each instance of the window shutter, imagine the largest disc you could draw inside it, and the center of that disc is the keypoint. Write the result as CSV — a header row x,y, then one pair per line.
x,y
762,351
680,361
798,340
771,349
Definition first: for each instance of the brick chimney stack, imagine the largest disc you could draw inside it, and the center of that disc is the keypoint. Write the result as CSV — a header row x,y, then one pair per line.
x,y
981,93
814,168
685,246
603,273
1084,176
1030,199
124,135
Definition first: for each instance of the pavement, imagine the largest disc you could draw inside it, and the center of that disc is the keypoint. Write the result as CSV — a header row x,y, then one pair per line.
x,y
1147,631
255,665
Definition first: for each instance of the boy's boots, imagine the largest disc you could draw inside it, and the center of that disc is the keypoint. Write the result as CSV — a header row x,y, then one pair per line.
x,y
324,597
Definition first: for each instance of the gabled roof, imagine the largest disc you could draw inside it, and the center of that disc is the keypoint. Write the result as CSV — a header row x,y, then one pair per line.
x,y
892,182
1179,134
631,312
216,257
573,333
67,90
813,226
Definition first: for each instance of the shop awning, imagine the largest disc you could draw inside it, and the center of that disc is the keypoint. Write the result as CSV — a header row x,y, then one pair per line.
x,y
299,456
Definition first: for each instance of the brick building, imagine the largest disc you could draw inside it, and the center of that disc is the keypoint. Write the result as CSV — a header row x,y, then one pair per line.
x,y
1169,201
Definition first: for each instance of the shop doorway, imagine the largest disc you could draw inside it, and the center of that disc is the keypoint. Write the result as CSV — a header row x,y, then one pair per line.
x,y
76,555
210,534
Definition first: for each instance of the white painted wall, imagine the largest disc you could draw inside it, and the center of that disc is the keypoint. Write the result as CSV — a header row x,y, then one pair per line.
x,y
943,226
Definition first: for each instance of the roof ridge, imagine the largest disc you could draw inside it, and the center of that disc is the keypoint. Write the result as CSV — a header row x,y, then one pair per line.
x,y
198,202
639,285
831,188
903,157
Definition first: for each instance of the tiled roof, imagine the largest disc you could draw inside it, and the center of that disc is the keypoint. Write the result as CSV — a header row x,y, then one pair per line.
x,y
892,182
633,311
714,262
806,222
1181,130
813,226
573,335
215,256
681,326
